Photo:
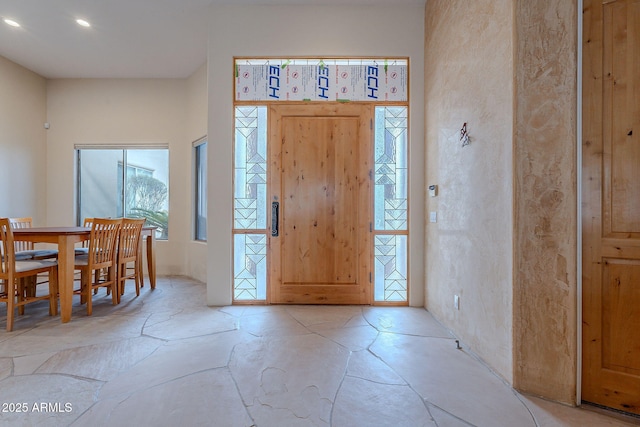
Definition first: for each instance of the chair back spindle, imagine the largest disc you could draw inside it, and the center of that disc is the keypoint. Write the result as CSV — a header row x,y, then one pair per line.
x,y
25,250
129,251
7,249
103,243
18,223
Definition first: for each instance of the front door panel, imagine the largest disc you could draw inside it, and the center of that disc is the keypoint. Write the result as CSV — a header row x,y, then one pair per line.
x,y
611,200
321,180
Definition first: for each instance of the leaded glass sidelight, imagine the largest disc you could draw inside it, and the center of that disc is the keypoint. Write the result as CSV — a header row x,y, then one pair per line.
x,y
250,192
250,204
391,268
391,168
250,267
391,204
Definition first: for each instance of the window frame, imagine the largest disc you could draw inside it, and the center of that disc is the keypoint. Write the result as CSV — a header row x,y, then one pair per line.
x,y
200,198
240,99
123,166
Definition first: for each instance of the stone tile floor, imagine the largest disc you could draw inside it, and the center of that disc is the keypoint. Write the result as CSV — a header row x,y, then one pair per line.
x,y
166,359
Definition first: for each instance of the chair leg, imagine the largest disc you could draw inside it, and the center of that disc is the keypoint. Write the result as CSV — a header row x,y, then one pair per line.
x,y
121,279
105,273
31,283
138,279
115,292
97,280
123,276
26,288
84,276
87,291
11,297
138,264
21,293
53,292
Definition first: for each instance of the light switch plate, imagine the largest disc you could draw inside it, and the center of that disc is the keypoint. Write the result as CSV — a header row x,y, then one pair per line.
x,y
433,216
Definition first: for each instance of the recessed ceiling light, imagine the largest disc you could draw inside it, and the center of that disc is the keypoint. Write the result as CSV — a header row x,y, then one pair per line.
x,y
11,22
83,23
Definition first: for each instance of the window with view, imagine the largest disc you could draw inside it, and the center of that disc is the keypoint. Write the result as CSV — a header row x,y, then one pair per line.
x,y
124,182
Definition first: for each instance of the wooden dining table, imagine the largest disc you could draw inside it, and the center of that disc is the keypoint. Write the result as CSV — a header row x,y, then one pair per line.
x,y
66,239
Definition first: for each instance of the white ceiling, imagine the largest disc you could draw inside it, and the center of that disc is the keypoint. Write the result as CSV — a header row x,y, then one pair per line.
x,y
127,39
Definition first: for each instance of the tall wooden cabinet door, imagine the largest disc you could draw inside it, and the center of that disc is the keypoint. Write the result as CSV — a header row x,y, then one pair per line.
x,y
611,204
320,249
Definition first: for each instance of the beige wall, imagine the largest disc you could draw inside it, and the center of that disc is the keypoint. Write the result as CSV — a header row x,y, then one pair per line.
x,y
545,279
306,31
22,142
469,79
196,259
121,111
196,120
98,111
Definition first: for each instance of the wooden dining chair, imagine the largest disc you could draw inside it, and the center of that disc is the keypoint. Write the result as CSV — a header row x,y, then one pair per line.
x,y
129,252
12,290
27,250
102,251
84,248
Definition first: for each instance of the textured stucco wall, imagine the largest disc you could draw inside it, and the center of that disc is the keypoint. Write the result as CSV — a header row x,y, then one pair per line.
x,y
505,240
469,78
545,290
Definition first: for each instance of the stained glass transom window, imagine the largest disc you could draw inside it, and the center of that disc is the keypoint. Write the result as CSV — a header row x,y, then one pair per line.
x,y
328,79
391,168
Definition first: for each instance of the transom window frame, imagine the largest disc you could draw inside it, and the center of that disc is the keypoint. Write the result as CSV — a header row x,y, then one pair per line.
x,y
387,239
333,79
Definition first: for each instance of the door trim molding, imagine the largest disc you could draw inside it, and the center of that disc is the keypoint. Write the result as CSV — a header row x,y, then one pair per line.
x,y
580,19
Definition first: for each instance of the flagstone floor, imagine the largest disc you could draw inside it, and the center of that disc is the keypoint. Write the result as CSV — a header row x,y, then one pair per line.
x,y
166,359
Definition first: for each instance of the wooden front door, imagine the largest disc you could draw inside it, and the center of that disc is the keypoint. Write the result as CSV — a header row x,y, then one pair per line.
x,y
320,243
611,204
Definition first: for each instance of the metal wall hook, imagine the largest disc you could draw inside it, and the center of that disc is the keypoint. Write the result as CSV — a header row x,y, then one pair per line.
x,y
464,135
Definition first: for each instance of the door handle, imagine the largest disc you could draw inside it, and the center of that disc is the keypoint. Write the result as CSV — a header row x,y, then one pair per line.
x,y
275,212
